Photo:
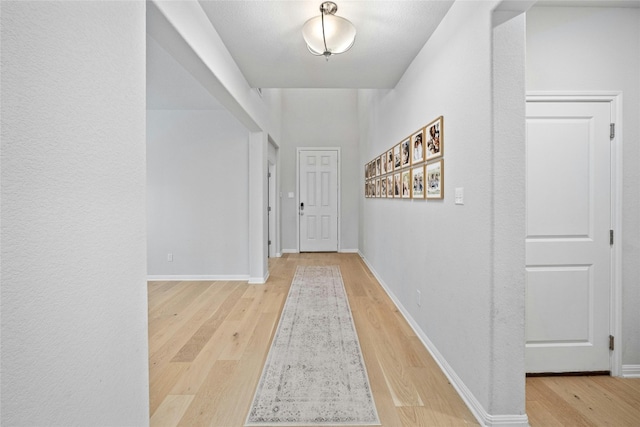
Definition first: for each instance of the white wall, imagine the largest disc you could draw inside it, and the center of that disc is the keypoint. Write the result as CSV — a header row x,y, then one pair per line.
x,y
456,255
74,299
598,49
184,30
321,118
272,99
197,194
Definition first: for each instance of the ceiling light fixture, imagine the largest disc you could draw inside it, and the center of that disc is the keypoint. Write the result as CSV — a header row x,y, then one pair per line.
x,y
328,34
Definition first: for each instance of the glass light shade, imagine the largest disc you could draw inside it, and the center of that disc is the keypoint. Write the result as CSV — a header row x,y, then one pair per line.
x,y
339,34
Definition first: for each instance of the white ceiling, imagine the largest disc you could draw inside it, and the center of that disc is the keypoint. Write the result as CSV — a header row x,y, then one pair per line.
x,y
265,39
589,3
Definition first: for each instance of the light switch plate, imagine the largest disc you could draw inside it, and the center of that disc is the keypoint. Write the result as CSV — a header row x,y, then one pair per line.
x,y
459,195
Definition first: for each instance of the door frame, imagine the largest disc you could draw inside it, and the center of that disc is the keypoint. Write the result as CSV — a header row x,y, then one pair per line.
x,y
274,226
614,98
338,193
272,215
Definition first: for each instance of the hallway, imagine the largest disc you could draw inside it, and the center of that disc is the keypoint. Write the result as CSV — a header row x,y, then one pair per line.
x,y
208,342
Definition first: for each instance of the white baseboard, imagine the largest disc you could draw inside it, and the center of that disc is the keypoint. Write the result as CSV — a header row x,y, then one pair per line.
x,y
208,278
349,251
467,396
505,420
278,255
198,278
259,280
345,251
631,371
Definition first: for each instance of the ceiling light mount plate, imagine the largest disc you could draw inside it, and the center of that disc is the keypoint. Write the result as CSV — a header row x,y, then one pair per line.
x,y
328,8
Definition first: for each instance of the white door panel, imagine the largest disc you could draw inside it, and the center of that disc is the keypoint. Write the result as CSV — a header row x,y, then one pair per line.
x,y
318,171
567,242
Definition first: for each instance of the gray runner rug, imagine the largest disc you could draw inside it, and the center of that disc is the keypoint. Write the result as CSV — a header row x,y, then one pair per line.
x,y
314,373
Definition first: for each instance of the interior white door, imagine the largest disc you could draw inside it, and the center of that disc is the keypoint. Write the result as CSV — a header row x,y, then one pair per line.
x,y
567,242
318,209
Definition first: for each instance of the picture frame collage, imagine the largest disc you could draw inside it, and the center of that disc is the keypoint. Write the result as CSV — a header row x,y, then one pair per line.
x,y
411,169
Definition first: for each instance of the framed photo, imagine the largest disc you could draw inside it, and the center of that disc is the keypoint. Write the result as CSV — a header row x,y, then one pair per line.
x,y
389,186
390,160
383,160
405,153
405,184
417,147
417,182
377,187
383,187
435,180
396,157
434,133
396,185
378,166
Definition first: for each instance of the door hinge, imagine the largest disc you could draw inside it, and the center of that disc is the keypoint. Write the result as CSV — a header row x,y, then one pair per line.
x,y
611,342
611,237
612,130
269,209
269,241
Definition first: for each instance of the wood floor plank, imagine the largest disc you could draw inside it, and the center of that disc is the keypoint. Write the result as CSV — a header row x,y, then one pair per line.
x,y
626,390
160,385
397,376
157,288
411,416
550,401
394,355
387,411
391,358
539,415
594,402
203,335
171,411
165,352
234,405
193,377
241,307
245,328
446,413
209,396
440,398
203,307
185,295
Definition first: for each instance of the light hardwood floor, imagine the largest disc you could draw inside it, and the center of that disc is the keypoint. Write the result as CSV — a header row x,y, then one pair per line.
x,y
583,401
208,342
